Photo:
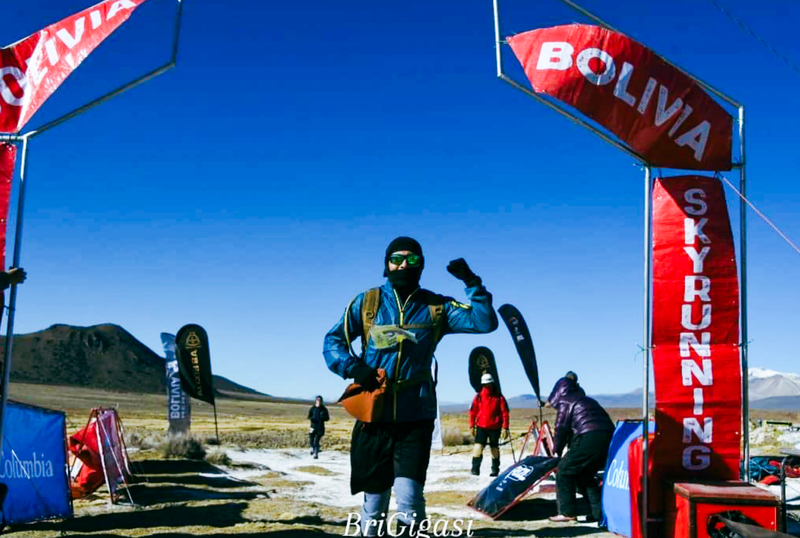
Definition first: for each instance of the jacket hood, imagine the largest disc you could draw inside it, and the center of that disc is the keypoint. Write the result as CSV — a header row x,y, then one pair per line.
x,y
564,387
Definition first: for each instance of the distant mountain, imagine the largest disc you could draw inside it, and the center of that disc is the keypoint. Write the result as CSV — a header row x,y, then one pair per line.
x,y
225,387
630,399
101,356
768,389
621,401
779,402
523,401
769,384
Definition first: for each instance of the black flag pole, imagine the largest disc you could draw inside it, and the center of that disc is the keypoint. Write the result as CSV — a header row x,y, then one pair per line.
x,y
216,426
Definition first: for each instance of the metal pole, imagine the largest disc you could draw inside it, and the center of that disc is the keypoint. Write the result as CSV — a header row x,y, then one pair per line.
x,y
177,33
12,302
743,301
497,43
216,427
574,118
100,100
648,194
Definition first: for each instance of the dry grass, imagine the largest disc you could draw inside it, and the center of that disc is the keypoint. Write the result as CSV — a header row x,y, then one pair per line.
x,y
183,446
217,456
313,469
453,436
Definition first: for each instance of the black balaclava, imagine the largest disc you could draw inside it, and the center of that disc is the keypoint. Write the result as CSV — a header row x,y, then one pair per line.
x,y
407,280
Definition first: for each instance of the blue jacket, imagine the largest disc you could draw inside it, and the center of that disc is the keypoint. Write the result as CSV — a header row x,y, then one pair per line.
x,y
408,360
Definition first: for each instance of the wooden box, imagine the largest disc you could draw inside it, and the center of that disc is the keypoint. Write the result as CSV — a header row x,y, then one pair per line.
x,y
688,510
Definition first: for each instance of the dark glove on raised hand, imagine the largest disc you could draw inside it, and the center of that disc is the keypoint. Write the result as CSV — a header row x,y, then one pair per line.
x,y
365,376
459,269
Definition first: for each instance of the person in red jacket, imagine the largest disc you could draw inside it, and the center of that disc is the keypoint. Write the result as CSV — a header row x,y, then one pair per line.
x,y
487,416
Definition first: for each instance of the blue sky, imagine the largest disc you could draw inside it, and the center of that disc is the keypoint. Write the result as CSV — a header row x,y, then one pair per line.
x,y
254,188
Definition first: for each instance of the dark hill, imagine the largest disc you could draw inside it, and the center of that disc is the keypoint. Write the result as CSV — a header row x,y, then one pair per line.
x,y
101,356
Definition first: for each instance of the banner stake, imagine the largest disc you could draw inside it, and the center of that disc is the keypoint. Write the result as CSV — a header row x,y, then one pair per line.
x,y
216,427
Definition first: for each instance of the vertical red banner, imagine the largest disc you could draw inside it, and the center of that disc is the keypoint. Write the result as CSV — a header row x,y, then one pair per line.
x,y
8,156
695,331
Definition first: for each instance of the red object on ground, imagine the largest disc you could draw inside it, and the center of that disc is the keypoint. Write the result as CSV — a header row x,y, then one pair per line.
x,y
635,483
653,107
99,455
692,503
87,470
696,363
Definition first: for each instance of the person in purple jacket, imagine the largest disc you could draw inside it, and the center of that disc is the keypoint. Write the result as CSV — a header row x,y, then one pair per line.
x,y
585,426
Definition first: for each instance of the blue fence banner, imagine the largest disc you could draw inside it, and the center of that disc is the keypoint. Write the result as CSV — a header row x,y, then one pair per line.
x,y
33,464
616,484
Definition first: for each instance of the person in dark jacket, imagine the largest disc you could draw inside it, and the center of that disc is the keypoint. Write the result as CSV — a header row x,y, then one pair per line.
x,y
585,426
318,415
393,451
488,414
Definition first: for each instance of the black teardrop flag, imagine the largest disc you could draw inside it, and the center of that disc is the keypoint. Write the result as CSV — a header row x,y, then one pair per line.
x,y
481,361
522,339
194,361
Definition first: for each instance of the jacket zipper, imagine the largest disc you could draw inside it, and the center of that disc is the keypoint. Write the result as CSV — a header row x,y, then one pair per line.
x,y
402,308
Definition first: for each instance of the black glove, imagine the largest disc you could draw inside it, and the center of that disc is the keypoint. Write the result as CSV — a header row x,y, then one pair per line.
x,y
459,269
365,376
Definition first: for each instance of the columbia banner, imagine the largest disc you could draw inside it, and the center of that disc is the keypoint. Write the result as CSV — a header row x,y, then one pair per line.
x,y
695,331
194,361
33,465
179,409
32,69
650,105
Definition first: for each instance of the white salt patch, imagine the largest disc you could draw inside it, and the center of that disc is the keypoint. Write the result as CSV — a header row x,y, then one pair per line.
x,y
448,472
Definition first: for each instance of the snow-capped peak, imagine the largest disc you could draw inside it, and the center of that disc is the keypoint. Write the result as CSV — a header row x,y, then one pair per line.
x,y
763,373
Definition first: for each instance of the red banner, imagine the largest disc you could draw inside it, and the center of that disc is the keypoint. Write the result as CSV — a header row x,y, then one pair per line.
x,y
653,107
32,69
696,364
8,156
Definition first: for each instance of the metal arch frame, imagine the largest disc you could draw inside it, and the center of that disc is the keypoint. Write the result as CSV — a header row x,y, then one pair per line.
x,y
499,42
24,139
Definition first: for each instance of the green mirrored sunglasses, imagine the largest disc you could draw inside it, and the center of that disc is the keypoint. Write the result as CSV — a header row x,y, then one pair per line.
x,y
412,259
